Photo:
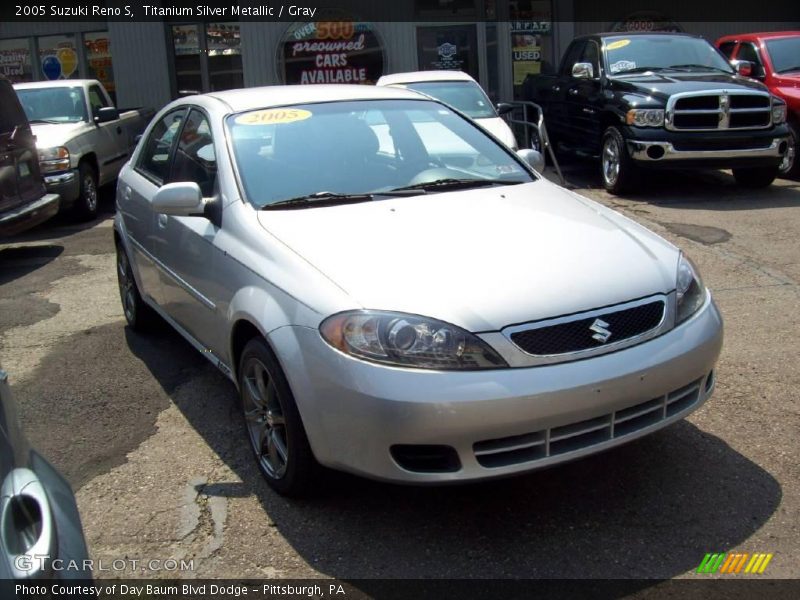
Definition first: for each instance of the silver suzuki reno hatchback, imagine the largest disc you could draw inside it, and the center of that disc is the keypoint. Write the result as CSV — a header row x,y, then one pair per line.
x,y
397,294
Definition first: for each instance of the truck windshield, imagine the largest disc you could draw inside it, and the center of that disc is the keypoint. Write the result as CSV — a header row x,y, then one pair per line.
x,y
466,96
639,53
56,104
785,54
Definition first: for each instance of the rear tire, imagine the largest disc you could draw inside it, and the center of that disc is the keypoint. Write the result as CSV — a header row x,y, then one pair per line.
x,y
273,424
86,204
617,169
755,178
140,316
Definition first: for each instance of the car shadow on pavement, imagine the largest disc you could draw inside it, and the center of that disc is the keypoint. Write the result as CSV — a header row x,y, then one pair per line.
x,y
650,509
18,261
706,189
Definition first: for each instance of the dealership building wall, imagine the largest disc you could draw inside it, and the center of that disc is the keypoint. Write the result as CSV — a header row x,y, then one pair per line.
x,y
148,63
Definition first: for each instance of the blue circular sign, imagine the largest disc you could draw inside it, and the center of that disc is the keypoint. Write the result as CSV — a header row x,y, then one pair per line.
x,y
51,67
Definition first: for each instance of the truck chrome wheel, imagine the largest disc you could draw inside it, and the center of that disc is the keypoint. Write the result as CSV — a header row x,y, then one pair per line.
x,y
790,158
611,159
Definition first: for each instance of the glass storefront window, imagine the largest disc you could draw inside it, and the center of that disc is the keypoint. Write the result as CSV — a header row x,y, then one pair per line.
x,y
224,56
531,41
15,60
58,57
97,53
186,45
448,47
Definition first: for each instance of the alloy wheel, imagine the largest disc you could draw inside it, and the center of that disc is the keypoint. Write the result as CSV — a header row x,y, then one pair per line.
x,y
127,290
611,159
90,192
791,155
264,415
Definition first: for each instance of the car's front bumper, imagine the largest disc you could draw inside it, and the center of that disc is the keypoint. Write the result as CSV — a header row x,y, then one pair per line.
x,y
28,215
499,422
66,184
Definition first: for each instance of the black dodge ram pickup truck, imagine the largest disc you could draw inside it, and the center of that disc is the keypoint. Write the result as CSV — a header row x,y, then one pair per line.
x,y
664,100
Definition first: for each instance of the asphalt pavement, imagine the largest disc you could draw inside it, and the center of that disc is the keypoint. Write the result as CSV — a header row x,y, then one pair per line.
x,y
148,433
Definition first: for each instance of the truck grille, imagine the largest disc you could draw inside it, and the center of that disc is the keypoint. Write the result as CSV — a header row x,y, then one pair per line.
x,y
703,111
572,437
580,332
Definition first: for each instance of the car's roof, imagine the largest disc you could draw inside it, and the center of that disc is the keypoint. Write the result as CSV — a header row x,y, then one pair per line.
x,y
761,35
420,76
606,34
55,83
285,95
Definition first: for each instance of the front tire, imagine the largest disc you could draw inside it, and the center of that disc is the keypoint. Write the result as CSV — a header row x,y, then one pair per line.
x,y
273,423
790,167
619,172
86,204
755,178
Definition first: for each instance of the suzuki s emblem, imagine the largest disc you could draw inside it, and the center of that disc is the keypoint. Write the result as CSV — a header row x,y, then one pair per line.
x,y
601,334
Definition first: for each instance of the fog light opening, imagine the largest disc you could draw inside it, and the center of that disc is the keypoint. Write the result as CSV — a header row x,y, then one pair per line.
x,y
421,458
710,378
655,152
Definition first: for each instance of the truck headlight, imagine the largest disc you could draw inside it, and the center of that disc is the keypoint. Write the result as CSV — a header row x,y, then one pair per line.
x,y
53,159
690,289
405,340
778,111
645,117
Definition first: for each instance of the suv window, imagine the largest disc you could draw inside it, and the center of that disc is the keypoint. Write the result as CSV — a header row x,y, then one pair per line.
x,y
154,161
591,55
96,99
727,48
572,56
194,157
748,52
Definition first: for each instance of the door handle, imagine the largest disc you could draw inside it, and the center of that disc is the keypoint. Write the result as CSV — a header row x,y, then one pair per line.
x,y
556,88
26,524
119,130
126,192
162,220
573,92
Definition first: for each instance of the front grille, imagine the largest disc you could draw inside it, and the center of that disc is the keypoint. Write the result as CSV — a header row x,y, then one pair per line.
x,y
572,437
576,335
720,110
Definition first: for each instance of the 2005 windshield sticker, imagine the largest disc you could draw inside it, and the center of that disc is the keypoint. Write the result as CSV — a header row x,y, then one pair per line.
x,y
618,44
273,116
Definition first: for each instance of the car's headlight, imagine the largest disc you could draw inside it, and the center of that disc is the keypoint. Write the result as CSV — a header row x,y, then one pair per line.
x,y
407,341
778,111
53,159
690,289
645,117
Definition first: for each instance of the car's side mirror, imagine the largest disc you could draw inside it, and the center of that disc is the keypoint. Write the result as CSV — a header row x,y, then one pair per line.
x,y
503,108
743,67
534,158
106,114
180,199
583,71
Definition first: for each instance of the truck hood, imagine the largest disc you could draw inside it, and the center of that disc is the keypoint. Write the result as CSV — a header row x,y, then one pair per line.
x,y
481,259
663,85
56,134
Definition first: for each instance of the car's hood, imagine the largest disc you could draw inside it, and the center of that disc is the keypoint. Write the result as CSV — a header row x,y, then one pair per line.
x,y
499,129
56,134
482,258
665,84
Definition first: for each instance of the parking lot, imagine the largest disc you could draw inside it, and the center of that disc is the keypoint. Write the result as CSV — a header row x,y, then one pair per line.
x,y
148,433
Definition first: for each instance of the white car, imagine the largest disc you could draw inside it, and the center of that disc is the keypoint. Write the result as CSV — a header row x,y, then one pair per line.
x,y
424,312
460,91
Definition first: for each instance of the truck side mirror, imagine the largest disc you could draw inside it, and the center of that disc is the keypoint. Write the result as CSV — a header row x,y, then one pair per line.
x,y
106,114
743,67
503,108
583,71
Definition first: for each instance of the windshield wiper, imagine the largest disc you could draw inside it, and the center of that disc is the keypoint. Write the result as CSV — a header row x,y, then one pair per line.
x,y
698,66
331,199
638,70
456,183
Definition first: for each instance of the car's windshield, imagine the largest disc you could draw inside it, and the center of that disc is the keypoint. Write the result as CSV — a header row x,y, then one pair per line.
x,y
57,104
362,147
785,54
466,96
638,53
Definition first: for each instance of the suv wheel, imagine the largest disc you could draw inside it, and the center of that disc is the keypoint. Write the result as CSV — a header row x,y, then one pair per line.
x,y
617,168
789,166
755,178
273,423
86,205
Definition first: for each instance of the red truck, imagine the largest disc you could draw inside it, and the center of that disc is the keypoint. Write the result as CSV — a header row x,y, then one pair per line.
x,y
774,59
